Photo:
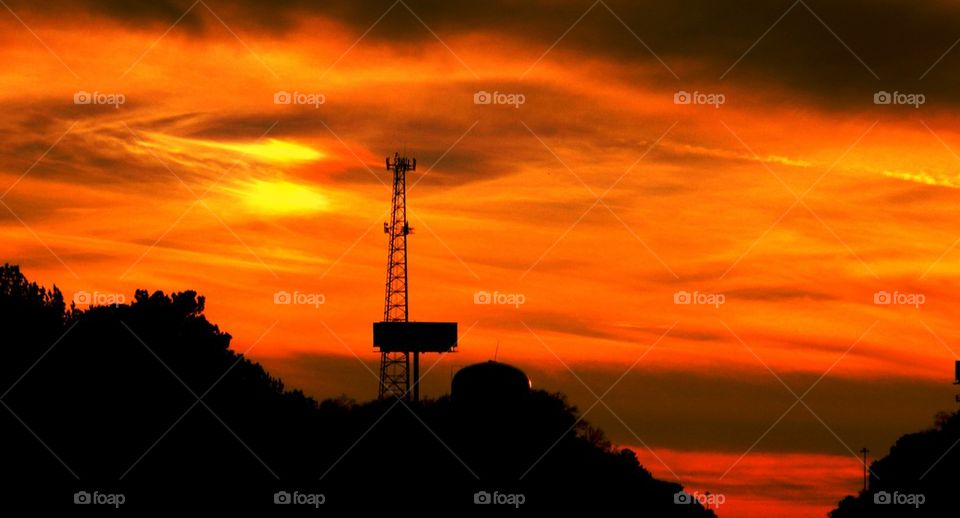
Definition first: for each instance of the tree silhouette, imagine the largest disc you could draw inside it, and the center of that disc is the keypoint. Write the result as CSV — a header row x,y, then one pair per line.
x,y
924,463
147,399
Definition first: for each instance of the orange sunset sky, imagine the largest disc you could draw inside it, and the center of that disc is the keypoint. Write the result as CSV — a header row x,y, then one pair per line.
x,y
595,202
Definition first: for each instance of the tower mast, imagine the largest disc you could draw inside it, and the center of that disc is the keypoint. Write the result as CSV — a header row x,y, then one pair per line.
x,y
399,340
395,365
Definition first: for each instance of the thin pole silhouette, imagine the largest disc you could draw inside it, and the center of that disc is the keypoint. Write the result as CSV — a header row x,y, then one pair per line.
x,y
864,451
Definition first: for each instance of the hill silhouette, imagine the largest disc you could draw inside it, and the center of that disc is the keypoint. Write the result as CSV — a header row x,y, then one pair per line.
x,y
147,400
917,478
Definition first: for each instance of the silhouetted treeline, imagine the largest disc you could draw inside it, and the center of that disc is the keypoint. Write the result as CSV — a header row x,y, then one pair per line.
x,y
147,399
919,477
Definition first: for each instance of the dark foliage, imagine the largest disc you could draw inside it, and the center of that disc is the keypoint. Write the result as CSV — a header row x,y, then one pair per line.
x,y
917,478
147,399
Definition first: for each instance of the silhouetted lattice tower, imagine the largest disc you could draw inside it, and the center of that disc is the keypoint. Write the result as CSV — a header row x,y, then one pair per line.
x,y
395,366
398,339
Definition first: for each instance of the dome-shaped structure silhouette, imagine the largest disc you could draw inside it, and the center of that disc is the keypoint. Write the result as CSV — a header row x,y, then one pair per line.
x,y
490,381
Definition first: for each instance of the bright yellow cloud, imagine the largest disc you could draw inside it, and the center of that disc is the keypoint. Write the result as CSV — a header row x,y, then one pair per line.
x,y
270,150
281,198
924,178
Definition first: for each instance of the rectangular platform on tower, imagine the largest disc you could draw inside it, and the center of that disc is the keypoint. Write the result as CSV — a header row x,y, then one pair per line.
x,y
424,337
